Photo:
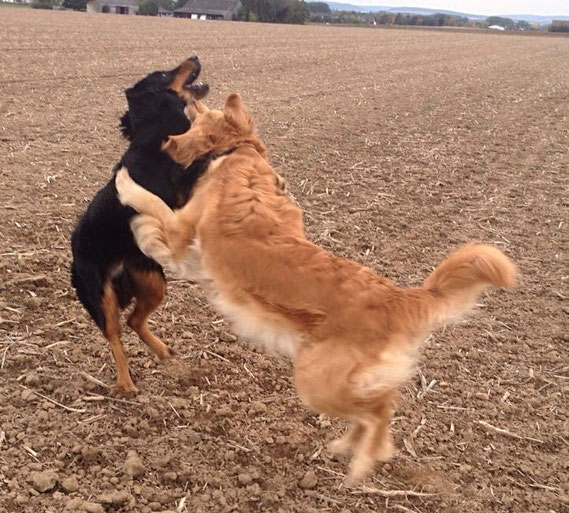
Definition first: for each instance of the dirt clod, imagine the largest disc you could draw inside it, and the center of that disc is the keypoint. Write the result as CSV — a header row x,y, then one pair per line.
x,y
115,497
93,507
70,484
44,481
244,479
225,336
133,465
309,481
257,407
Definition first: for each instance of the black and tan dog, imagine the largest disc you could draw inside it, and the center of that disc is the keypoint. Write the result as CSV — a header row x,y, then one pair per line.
x,y
108,269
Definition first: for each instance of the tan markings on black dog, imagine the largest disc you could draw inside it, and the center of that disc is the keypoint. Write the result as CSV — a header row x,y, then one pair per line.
x,y
149,291
353,336
111,310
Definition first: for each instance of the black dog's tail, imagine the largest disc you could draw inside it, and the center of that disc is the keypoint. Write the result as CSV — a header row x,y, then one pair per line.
x,y
88,282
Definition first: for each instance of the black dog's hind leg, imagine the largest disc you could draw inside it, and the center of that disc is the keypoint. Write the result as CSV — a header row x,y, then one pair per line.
x,y
111,310
149,288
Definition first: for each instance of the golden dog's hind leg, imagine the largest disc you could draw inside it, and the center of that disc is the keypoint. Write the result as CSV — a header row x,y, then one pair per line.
x,y
375,443
346,443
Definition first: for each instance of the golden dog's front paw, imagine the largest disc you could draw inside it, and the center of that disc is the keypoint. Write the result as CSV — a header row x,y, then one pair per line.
x,y
124,183
360,467
150,238
340,446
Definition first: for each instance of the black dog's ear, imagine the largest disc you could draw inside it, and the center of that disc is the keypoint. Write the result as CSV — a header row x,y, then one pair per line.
x,y
143,105
126,126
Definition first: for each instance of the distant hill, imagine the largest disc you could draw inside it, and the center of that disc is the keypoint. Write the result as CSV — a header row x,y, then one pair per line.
x,y
530,18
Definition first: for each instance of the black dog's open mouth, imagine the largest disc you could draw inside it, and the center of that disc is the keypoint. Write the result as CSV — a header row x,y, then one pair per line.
x,y
198,90
185,77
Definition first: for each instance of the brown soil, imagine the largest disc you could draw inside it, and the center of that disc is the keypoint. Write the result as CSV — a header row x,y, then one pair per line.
x,y
399,145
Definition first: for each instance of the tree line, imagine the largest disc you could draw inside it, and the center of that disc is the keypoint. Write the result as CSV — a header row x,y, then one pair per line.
x,y
274,11
320,12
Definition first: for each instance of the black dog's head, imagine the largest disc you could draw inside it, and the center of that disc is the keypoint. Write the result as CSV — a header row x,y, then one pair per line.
x,y
156,103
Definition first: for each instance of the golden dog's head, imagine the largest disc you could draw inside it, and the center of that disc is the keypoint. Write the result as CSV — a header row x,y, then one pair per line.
x,y
214,132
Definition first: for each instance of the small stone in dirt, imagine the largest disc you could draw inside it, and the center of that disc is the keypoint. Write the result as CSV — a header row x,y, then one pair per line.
x,y
227,337
309,480
244,479
39,280
115,498
258,407
70,484
93,507
44,481
74,504
28,395
224,411
193,438
254,489
89,454
219,497
33,303
32,379
188,335
21,499
133,465
170,476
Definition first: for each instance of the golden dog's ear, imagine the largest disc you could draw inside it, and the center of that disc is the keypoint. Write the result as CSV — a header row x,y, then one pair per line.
x,y
186,148
236,114
170,146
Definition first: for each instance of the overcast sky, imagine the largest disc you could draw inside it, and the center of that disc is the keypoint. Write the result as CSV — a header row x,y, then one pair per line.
x,y
543,7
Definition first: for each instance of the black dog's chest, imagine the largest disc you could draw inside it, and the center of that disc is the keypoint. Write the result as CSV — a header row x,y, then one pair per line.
x,y
158,175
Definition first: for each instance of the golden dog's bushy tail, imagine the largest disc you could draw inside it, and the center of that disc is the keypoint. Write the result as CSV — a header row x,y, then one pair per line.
x,y
447,294
457,282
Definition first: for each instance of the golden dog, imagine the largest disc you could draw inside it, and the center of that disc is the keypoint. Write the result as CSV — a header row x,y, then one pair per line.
x,y
353,336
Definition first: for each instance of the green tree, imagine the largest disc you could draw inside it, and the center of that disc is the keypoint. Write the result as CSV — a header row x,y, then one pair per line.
x,y
274,11
44,4
148,7
76,5
503,22
318,7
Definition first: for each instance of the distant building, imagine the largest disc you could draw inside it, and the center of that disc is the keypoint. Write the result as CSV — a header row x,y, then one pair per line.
x,y
496,27
113,6
209,9
559,26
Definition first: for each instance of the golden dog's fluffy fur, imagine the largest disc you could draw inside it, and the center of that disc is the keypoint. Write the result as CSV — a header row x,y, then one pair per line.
x,y
353,336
